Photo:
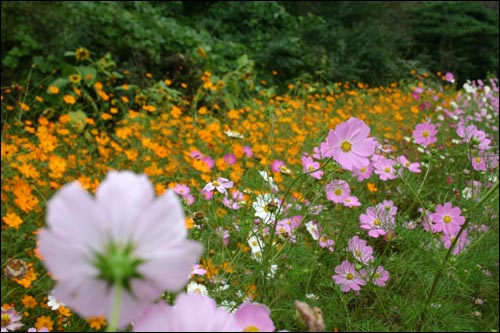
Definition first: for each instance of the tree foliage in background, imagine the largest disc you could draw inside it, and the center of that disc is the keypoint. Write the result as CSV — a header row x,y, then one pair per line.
x,y
374,42
456,36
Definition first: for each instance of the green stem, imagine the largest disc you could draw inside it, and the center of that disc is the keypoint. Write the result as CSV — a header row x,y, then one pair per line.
x,y
115,313
268,253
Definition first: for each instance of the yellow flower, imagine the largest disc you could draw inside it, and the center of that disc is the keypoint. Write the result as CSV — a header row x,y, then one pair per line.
x,y
149,108
69,99
96,322
82,53
12,220
371,187
201,52
28,279
29,301
64,311
53,90
75,78
24,106
44,321
189,222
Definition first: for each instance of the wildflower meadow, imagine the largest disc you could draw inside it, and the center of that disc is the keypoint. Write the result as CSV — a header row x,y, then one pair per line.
x,y
229,204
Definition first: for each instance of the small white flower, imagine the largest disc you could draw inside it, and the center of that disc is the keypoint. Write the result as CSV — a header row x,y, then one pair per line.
x,y
312,296
272,271
313,229
229,306
233,134
256,244
196,288
269,180
53,303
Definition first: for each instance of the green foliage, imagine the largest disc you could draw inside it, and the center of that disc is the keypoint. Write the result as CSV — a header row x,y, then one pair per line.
x,y
457,36
373,42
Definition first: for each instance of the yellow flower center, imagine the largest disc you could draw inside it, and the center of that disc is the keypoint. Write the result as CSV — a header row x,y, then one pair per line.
x,y
215,183
376,222
349,276
346,146
446,219
425,134
338,191
310,168
5,319
387,169
358,253
251,328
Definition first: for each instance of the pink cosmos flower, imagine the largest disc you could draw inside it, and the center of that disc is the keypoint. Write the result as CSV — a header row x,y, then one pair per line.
x,y
351,201
310,165
349,144
326,242
254,317
124,236
377,220
387,207
337,191
360,250
230,159
191,313
347,277
11,320
197,270
181,189
384,168
412,167
425,134
221,185
380,277
234,201
462,242
473,136
364,172
478,162
449,77
447,219
276,165
248,151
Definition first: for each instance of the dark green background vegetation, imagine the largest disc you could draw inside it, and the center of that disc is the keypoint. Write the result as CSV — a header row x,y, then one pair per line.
x,y
373,42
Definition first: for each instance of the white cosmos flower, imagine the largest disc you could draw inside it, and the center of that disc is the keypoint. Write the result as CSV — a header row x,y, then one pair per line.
x,y
269,180
265,206
196,288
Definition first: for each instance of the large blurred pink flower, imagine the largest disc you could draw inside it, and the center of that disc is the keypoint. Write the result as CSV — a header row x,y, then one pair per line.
x,y
254,317
349,144
123,237
191,313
